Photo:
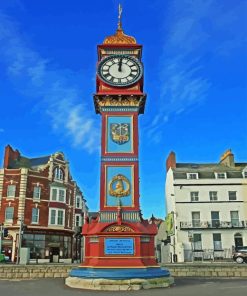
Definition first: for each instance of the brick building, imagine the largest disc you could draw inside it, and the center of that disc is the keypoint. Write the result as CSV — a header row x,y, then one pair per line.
x,y
42,204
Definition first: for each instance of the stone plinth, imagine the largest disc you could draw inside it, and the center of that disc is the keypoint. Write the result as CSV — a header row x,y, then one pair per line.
x,y
117,285
115,279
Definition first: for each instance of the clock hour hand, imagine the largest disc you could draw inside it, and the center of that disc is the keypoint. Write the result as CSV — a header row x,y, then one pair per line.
x,y
120,65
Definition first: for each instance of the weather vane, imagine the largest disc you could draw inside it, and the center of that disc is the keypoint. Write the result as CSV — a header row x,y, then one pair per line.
x,y
120,9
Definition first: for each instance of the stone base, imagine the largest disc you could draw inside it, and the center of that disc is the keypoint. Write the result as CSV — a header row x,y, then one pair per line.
x,y
117,285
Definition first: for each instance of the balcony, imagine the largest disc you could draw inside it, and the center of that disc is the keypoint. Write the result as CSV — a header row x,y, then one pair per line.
x,y
213,225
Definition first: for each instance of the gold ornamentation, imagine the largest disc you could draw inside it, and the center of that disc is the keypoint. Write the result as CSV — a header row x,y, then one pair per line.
x,y
119,186
119,228
120,101
119,38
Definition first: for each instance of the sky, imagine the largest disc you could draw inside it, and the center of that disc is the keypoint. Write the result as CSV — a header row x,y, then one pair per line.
x,y
195,59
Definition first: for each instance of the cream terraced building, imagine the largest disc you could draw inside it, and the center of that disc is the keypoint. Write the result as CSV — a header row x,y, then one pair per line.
x,y
209,205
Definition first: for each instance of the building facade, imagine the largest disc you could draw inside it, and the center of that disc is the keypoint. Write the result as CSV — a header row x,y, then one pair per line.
x,y
41,207
208,203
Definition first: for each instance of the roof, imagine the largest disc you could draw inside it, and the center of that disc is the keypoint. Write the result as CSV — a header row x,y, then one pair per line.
x,y
207,171
119,38
24,162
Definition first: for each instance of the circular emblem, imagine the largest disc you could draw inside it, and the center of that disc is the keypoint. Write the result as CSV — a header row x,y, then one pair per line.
x,y
119,186
120,70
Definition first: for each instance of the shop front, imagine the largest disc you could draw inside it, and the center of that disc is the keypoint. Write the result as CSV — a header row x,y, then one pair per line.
x,y
51,246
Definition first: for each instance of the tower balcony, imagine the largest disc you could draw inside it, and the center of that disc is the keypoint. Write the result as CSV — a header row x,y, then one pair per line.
x,y
213,225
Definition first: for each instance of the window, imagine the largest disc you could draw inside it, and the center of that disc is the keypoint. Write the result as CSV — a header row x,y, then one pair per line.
x,y
197,242
215,217
11,191
220,175
232,195
192,176
234,218
58,194
217,241
56,217
78,202
77,220
194,196
61,195
245,173
195,219
213,195
36,192
35,215
58,174
9,214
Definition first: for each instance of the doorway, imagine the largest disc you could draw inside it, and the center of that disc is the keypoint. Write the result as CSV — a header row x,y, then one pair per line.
x,y
238,239
54,254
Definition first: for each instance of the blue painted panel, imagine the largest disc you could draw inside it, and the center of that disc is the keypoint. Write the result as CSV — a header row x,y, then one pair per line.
x,y
119,273
119,246
112,171
126,146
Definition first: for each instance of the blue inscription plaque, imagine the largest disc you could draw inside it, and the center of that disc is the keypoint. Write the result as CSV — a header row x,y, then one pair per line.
x,y
119,246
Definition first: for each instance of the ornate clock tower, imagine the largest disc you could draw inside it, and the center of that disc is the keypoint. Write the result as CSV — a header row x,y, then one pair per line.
x,y
119,243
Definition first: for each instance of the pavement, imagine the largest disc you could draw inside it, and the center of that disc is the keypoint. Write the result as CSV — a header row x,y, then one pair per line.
x,y
183,287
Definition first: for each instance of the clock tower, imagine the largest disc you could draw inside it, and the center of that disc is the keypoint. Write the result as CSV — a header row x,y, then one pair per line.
x,y
119,243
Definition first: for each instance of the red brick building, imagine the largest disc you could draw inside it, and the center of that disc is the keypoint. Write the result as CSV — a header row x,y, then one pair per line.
x,y
40,194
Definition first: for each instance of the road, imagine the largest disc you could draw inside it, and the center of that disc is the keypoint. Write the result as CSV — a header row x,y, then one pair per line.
x,y
183,287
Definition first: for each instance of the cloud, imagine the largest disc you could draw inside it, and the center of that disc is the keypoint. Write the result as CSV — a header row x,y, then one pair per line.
x,y
195,32
55,88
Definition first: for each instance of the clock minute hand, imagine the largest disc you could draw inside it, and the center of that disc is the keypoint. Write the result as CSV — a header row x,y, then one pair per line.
x,y
120,65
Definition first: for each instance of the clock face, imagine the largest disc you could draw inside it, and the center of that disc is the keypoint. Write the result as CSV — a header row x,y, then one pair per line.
x,y
120,70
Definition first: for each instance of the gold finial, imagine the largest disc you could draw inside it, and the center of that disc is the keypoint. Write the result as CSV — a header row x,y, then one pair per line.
x,y
120,10
119,37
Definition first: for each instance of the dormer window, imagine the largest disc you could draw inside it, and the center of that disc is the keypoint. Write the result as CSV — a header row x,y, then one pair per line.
x,y
192,176
220,175
58,174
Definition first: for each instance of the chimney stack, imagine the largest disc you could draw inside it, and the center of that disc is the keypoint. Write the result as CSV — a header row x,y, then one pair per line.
x,y
9,155
227,158
171,161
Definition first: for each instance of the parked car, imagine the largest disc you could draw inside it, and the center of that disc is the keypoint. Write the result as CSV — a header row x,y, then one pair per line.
x,y
240,254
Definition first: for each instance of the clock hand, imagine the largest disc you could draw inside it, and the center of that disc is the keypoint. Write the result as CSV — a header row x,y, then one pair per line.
x,y
120,65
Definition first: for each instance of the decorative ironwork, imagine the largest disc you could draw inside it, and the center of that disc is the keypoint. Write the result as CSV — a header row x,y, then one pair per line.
x,y
213,224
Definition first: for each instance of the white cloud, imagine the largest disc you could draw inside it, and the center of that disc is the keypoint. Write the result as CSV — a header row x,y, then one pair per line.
x,y
55,88
194,30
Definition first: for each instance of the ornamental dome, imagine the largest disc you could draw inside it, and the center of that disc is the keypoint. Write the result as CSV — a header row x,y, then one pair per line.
x,y
119,38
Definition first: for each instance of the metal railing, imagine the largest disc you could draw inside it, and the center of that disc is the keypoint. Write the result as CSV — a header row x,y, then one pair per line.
x,y
208,255
213,224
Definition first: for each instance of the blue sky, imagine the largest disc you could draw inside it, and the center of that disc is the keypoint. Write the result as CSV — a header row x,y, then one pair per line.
x,y
194,54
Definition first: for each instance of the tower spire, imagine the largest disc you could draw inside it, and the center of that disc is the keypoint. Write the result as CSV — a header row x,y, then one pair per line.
x,y
120,10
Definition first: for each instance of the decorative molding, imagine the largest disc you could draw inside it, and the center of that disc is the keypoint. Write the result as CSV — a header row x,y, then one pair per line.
x,y
120,103
119,228
116,159
117,109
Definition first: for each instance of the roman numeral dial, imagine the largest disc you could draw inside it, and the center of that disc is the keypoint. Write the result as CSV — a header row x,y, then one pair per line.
x,y
120,70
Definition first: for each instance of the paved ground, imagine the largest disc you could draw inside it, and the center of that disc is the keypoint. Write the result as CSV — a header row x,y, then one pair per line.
x,y
183,287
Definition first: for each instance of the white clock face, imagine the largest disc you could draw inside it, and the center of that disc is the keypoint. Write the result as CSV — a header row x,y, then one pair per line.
x,y
120,70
